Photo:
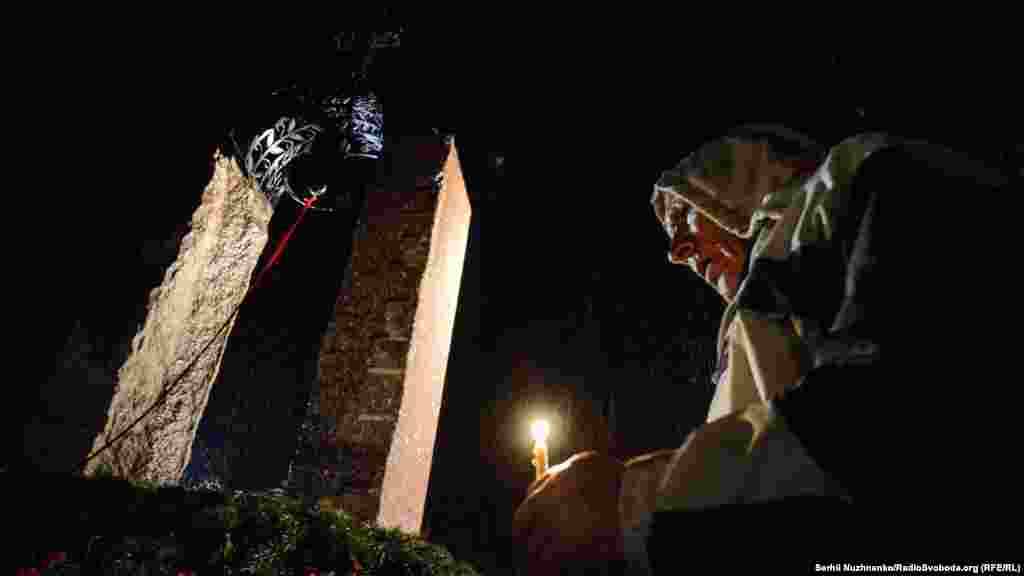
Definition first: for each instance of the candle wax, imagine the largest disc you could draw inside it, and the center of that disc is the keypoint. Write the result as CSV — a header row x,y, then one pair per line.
x,y
540,458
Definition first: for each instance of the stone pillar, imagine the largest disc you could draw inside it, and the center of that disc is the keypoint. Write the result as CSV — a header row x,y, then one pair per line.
x,y
383,370
200,291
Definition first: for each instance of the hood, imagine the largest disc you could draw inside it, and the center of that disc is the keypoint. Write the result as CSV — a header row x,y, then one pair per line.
x,y
805,211
727,179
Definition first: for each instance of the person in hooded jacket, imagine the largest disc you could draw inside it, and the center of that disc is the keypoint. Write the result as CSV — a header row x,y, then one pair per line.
x,y
801,336
710,232
789,235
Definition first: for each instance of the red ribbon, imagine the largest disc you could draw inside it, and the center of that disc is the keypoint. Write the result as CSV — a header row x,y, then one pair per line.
x,y
284,241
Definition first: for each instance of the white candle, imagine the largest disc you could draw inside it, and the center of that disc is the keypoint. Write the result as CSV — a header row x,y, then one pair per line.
x,y
540,431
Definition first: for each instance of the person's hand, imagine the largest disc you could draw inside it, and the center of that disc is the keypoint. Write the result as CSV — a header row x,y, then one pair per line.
x,y
570,516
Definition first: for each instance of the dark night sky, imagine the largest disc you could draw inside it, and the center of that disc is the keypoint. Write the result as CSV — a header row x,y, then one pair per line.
x,y
108,132
586,129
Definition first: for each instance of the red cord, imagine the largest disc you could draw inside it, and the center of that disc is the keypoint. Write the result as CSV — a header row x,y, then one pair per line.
x,y
273,259
284,241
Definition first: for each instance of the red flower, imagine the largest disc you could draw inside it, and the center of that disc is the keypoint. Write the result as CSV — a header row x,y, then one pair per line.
x,y
310,571
327,473
52,557
186,572
327,440
28,572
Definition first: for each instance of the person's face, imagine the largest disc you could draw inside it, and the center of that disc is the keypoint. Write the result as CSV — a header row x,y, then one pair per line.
x,y
711,252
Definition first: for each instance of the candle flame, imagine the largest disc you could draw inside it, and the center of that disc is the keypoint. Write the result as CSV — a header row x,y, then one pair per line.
x,y
540,431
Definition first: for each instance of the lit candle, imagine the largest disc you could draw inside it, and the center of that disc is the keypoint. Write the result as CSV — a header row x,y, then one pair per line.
x,y
540,447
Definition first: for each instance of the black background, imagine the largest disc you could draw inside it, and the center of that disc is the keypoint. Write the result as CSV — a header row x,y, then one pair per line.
x,y
110,130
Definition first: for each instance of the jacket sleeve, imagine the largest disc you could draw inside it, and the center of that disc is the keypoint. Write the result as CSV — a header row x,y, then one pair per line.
x,y
878,428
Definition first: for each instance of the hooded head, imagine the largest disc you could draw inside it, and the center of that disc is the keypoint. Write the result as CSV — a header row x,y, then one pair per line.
x,y
706,203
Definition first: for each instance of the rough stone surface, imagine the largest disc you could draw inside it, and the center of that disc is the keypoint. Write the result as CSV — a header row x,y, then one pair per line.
x,y
200,290
365,359
404,492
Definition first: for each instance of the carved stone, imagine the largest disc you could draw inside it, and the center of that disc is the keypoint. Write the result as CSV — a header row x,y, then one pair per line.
x,y
186,316
383,371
